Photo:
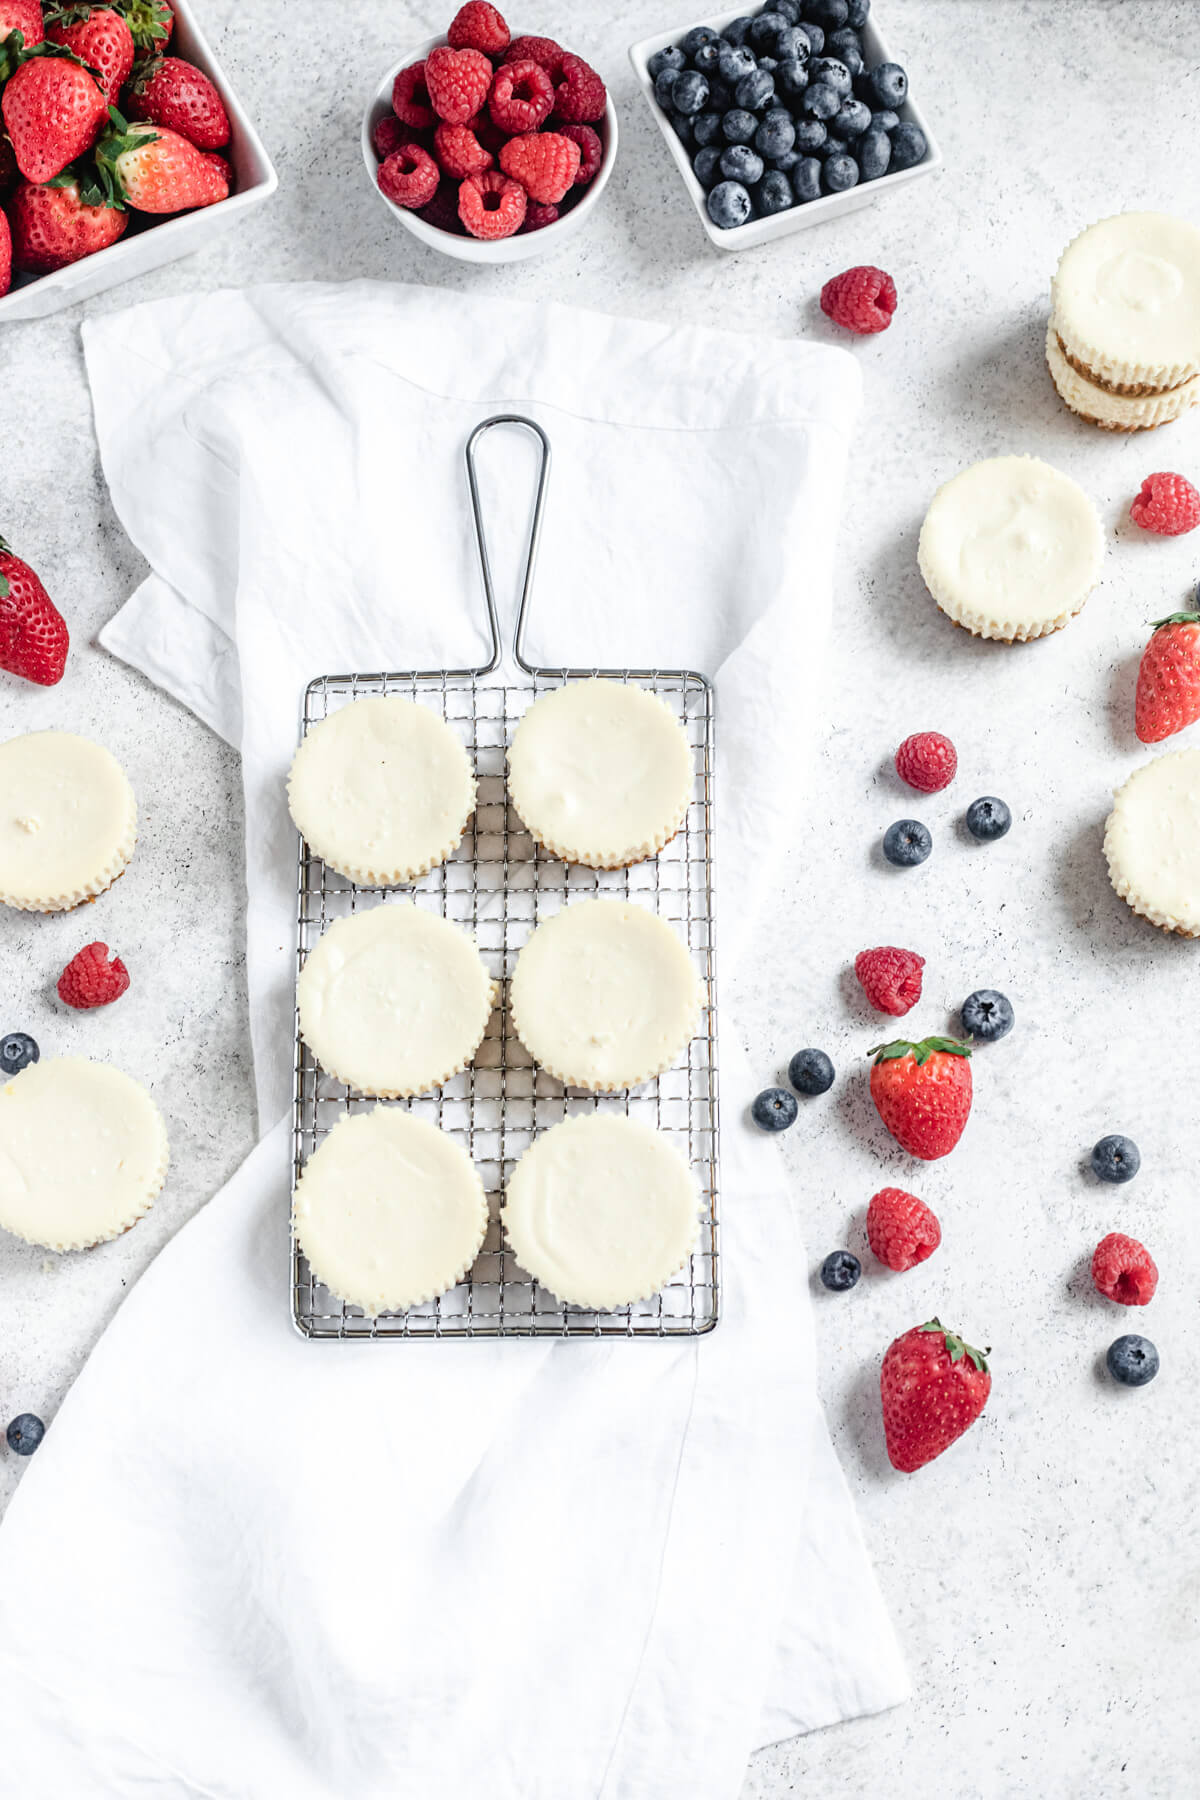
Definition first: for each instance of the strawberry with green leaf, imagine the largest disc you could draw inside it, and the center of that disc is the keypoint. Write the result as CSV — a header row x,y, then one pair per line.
x,y
157,171
33,634
167,91
100,37
24,16
933,1387
1168,683
150,21
61,221
52,104
922,1093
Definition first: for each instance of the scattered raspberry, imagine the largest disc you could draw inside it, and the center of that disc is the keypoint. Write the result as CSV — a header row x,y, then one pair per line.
x,y
1123,1270
544,163
389,134
890,978
901,1230
861,299
458,82
927,761
522,96
491,206
579,95
92,979
541,50
591,150
442,210
460,152
538,216
409,177
478,26
410,98
1167,504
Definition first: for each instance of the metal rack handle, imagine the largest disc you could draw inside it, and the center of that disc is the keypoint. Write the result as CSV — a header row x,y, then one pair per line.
x,y
535,536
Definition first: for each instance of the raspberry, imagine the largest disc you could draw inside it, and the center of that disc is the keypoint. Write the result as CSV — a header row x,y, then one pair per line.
x,y
901,1230
458,82
460,152
487,131
890,978
927,761
544,163
538,216
579,96
410,98
409,177
861,299
540,50
389,134
1167,504
491,206
521,98
91,979
1123,1270
591,150
442,210
478,26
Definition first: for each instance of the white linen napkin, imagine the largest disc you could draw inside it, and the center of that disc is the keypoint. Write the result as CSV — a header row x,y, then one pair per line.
x,y
524,1569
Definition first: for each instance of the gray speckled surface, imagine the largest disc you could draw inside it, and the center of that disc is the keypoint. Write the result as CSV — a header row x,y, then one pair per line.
x,y
1045,1576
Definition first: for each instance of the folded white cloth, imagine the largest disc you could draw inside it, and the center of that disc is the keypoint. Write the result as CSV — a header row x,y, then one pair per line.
x,y
522,1569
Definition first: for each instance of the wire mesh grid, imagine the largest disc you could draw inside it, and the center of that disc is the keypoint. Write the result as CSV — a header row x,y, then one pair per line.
x,y
499,885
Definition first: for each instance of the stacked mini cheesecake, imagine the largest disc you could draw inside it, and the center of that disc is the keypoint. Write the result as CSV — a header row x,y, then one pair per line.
x,y
1123,343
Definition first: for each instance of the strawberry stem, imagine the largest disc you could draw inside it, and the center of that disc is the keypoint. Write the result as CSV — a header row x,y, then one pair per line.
x,y
957,1347
1177,618
921,1051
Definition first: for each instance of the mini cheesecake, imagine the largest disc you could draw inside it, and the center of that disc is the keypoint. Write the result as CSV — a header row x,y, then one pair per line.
x,y
68,821
1126,302
1152,842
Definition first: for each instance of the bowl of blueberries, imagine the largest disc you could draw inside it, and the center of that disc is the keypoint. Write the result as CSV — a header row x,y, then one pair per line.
x,y
785,117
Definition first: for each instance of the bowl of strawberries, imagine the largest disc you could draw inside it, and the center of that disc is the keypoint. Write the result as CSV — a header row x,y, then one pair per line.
x,y
487,146
123,147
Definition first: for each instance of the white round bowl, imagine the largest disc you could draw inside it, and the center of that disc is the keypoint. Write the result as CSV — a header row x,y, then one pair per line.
x,y
481,250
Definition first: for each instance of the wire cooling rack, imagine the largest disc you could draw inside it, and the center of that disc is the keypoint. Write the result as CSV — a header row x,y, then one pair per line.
x,y
499,884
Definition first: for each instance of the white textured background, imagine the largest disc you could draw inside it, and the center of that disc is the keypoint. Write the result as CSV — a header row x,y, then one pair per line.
x,y
1045,1576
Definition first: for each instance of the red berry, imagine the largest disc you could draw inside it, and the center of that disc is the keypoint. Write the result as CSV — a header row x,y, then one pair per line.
x,y
460,152
491,205
33,634
538,216
1168,683
544,163
442,210
478,26
933,1388
591,150
901,1230
93,978
922,1092
409,177
890,978
579,95
1167,504
541,50
389,134
1124,1270
410,98
927,761
522,97
458,82
862,299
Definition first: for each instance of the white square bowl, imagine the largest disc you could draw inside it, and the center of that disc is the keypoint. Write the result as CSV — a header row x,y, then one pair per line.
x,y
812,212
159,241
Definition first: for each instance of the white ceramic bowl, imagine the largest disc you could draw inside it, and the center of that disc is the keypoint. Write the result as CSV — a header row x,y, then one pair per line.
x,y
796,218
156,242
478,250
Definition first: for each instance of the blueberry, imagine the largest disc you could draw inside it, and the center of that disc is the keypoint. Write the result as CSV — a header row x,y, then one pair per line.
x,y
681,125
820,101
874,152
768,65
988,819
908,146
708,56
793,45
810,135
706,128
740,163
907,842
17,1051
707,164
739,126
775,136
839,173
811,1072
1132,1360
690,93
840,1271
696,39
670,58
856,15
735,62
889,84
1116,1159
791,78
815,36
664,84
720,94
735,31
849,121
775,1109
27,1431
852,57
987,1015
755,91
786,162
885,120
829,13
806,179
838,42
774,192
833,146
764,31
789,10
832,73
729,204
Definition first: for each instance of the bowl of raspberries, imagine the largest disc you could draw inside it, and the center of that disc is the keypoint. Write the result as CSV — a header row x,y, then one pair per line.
x,y
490,146
783,117
122,148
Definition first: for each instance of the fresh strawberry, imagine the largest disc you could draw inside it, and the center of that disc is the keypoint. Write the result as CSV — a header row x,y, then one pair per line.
x,y
901,1230
33,634
94,977
54,111
158,171
1168,683
56,223
10,175
100,38
933,1387
6,253
167,91
922,1093
24,16
150,21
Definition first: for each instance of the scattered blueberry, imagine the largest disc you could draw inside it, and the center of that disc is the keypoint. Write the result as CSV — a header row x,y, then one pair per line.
x,y
987,1015
856,15
907,842
806,179
811,1072
1116,1158
706,128
764,31
829,13
988,819
729,205
839,173
739,126
889,84
850,120
815,36
690,93
735,31
774,192
708,56
832,73
740,163
810,135
17,1051
696,39
908,146
755,91
820,101
874,152
664,84
27,1431
840,1271
885,120
775,136
707,164
791,78
1132,1360
670,58
775,1109
735,62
